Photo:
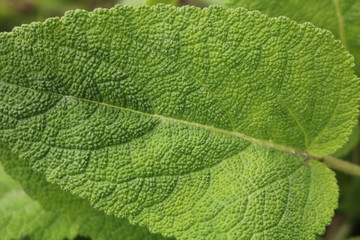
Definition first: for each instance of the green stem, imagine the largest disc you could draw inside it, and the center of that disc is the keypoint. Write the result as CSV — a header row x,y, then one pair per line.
x,y
341,165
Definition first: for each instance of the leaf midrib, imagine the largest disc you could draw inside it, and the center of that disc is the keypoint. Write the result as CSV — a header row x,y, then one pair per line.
x,y
253,140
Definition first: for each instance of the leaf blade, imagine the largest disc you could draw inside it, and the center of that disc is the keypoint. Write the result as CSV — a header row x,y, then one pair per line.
x,y
150,139
43,212
341,17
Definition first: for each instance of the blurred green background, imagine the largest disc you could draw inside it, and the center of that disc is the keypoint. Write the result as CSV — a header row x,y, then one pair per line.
x,y
346,221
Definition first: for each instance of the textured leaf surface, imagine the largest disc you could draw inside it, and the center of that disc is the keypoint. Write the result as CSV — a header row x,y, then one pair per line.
x,y
60,215
341,17
195,123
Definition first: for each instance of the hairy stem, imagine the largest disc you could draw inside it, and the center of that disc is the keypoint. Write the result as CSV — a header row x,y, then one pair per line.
x,y
341,165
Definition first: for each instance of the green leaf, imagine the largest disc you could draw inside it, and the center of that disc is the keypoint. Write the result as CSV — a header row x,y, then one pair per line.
x,y
195,123
341,17
63,215
60,215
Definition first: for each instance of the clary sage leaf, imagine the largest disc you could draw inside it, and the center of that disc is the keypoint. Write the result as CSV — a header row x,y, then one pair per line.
x,y
196,123
341,17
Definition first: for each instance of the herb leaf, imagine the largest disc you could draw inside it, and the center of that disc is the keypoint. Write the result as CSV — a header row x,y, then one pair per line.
x,y
341,17
191,122
60,214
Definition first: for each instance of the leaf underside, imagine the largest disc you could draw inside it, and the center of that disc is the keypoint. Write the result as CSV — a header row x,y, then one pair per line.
x,y
194,123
